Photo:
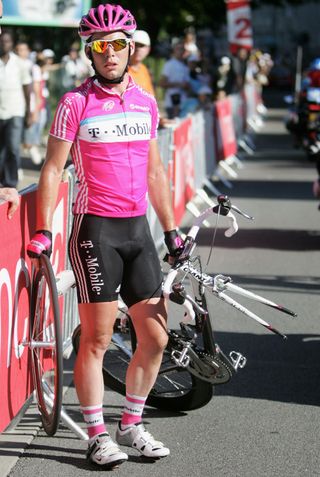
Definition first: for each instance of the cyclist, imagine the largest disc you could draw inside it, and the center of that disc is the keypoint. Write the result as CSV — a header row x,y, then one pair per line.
x,y
108,124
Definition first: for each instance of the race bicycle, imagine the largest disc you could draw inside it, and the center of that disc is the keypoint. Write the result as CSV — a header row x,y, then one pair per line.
x,y
193,362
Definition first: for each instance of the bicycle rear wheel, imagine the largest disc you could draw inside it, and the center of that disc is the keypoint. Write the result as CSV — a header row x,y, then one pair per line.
x,y
46,346
175,389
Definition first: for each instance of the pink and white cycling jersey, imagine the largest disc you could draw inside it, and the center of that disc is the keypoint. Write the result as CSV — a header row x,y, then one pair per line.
x,y
110,135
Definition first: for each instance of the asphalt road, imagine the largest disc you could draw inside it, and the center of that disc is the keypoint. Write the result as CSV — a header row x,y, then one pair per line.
x,y
265,422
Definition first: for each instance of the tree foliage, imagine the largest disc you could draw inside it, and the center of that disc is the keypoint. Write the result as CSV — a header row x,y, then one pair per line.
x,y
162,19
172,17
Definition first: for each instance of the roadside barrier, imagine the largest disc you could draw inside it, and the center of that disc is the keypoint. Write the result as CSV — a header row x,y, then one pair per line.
x,y
195,151
15,286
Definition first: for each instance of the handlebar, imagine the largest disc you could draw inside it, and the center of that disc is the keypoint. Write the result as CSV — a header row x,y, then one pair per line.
x,y
178,294
224,208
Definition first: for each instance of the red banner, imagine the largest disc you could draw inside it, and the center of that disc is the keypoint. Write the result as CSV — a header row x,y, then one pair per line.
x,y
226,143
183,168
239,25
15,273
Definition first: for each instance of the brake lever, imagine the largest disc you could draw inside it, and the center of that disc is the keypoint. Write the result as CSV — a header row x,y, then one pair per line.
x,y
225,203
244,214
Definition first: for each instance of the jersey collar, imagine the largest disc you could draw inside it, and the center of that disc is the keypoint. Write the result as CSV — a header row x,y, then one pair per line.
x,y
131,84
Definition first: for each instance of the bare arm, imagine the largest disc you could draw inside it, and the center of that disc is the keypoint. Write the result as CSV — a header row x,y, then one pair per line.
x,y
26,92
159,188
38,99
51,173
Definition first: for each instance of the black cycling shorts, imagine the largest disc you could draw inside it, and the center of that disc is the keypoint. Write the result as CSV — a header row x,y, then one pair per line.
x,y
114,255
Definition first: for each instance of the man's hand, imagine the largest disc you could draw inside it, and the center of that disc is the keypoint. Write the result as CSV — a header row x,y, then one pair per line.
x,y
40,243
173,242
12,196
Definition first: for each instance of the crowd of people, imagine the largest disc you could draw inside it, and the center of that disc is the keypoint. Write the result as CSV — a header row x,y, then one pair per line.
x,y
25,74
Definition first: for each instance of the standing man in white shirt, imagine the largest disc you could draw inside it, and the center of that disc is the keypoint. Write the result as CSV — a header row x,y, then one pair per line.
x,y
9,194
175,79
15,81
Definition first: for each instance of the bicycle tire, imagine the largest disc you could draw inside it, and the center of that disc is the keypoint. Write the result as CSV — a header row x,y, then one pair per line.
x,y
46,346
175,389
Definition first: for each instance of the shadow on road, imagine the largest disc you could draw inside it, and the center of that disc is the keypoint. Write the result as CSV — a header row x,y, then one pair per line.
x,y
283,190
273,239
276,370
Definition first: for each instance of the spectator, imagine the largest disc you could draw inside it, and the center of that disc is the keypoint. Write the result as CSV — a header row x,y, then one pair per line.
x,y
205,97
75,70
22,49
139,72
197,76
175,79
190,46
48,67
32,134
191,104
137,69
224,78
198,79
15,83
239,66
8,193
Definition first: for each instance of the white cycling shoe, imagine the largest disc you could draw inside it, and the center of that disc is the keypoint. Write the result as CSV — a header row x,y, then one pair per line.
x,y
104,452
138,438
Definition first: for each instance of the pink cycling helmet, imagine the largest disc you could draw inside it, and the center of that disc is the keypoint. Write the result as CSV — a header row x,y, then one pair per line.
x,y
106,18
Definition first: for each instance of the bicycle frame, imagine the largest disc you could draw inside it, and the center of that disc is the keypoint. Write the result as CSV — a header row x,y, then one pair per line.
x,y
218,285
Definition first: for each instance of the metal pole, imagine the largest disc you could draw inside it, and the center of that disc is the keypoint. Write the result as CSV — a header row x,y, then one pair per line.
x,y
297,86
73,426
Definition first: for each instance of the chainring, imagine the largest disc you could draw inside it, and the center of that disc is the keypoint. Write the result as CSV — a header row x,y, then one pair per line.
x,y
213,369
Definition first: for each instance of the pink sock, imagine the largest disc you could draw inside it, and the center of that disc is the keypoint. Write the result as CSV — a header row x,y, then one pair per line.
x,y
93,417
133,409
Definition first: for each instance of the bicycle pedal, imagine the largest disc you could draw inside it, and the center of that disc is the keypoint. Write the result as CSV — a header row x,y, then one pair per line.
x,y
237,359
181,358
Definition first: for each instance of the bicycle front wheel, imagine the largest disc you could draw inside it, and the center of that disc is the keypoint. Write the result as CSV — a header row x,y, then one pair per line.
x,y
46,346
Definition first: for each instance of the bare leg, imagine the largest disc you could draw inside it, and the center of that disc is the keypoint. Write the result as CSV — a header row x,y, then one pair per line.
x,y
97,320
149,320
